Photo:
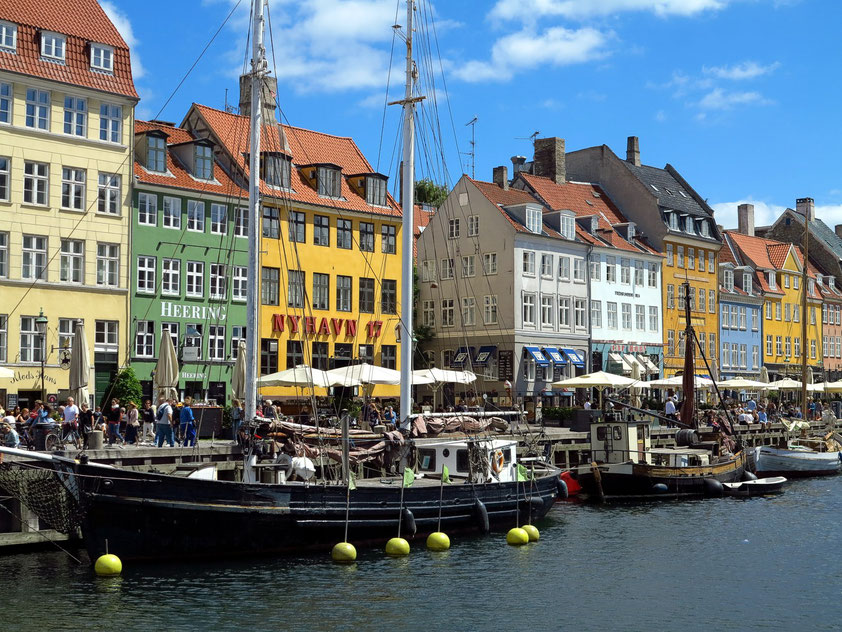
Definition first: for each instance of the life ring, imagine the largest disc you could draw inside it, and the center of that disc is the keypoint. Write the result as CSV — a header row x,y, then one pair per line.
x,y
498,460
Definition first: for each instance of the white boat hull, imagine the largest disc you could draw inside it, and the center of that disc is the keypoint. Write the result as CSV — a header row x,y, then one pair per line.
x,y
785,462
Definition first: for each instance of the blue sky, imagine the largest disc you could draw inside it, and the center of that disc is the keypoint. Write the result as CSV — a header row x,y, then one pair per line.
x,y
742,96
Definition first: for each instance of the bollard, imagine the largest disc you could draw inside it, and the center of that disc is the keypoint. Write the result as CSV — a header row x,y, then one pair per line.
x,y
95,440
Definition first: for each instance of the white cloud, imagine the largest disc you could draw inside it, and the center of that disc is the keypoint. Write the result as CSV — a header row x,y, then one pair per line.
x,y
719,99
765,213
527,48
124,26
528,10
742,71
660,116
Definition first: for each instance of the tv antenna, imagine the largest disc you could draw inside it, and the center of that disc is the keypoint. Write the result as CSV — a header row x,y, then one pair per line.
x,y
531,138
473,143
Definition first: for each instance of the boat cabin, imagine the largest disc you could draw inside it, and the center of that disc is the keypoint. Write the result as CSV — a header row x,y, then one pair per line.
x,y
480,461
679,457
617,440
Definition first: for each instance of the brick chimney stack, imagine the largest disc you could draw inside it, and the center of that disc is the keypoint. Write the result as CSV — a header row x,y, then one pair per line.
x,y
517,164
806,207
633,150
501,177
745,219
549,159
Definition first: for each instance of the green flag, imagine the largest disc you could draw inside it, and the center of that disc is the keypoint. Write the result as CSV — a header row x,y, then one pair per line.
x,y
352,481
445,474
521,473
408,477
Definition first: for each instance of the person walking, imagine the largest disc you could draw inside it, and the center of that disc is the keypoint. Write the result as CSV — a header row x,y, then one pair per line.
x,y
669,408
86,423
148,417
188,427
113,416
163,423
70,425
236,420
132,423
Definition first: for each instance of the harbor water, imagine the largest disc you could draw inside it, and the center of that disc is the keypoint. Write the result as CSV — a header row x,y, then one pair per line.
x,y
725,564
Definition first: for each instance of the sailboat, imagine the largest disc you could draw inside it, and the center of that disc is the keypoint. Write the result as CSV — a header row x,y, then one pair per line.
x,y
145,515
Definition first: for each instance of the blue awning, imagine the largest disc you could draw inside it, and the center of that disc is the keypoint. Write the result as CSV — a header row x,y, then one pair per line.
x,y
555,355
536,354
460,357
575,357
484,355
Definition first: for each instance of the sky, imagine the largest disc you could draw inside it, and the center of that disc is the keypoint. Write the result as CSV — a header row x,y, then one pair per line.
x,y
741,96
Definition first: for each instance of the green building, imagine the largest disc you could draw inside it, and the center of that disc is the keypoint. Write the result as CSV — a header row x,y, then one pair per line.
x,y
188,262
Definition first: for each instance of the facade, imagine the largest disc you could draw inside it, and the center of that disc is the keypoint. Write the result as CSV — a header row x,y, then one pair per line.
x,y
624,277
503,287
189,259
831,324
66,118
330,250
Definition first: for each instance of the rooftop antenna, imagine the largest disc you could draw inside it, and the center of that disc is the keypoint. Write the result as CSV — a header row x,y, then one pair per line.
x,y
530,138
473,152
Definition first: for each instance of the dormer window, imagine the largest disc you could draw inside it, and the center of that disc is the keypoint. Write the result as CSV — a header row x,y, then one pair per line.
x,y
8,37
811,286
831,282
673,221
533,220
689,225
375,190
704,228
594,225
568,226
328,181
819,279
275,170
728,280
52,47
746,282
102,58
772,283
631,231
203,162
156,154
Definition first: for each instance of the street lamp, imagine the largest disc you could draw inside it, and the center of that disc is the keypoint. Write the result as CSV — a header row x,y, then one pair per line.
x,y
41,328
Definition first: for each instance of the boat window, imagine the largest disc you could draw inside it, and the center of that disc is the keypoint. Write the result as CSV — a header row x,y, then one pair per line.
x,y
507,455
618,432
600,433
461,460
427,460
445,452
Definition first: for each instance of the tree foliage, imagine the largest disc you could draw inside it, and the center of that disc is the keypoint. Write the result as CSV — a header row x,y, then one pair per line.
x,y
428,192
126,387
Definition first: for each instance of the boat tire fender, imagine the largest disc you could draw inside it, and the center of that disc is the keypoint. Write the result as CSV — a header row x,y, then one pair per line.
x,y
481,514
748,476
660,488
563,493
408,521
713,488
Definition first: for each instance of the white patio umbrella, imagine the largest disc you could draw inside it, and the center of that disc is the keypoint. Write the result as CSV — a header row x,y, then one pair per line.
x,y
437,378
301,376
739,383
238,379
80,368
366,374
166,370
6,373
599,380
677,381
786,384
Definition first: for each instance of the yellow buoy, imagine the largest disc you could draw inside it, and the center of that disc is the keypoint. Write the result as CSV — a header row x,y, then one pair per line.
x,y
532,532
438,541
344,552
107,565
517,537
397,547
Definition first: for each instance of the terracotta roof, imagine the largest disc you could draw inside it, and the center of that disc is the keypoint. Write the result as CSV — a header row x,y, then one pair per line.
x,y
82,21
511,197
178,176
421,217
758,251
307,147
778,254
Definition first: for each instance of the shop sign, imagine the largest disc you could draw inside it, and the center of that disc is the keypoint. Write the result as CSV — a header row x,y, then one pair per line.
x,y
312,326
629,294
197,312
192,376
630,348
22,376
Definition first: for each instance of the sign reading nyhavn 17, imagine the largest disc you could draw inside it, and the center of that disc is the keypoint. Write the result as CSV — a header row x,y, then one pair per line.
x,y
324,326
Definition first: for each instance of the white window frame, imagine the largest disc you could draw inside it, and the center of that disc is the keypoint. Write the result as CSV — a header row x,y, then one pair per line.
x,y
528,309
428,313
547,309
171,217
110,122
107,264
448,309
4,255
109,194
653,318
241,222
75,116
489,263
469,266
72,261
34,258
528,267
534,220
453,228
473,225
216,343
102,58
36,178
547,266
6,103
612,315
37,109
564,312
195,216
239,288
170,277
596,314
195,279
73,186
8,37
218,219
147,209
53,47
106,336
490,309
146,274
469,311
580,313
144,341
31,344
626,316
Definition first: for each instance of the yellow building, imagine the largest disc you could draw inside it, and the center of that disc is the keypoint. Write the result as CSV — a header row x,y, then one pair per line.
x,y
66,119
779,273
331,247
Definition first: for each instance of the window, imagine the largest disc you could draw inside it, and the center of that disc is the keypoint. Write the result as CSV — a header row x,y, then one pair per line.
x,y
272,223
216,342
34,258
4,255
447,312
711,257
812,315
321,230
238,334
172,213
777,311
595,270
156,153
111,123
653,318
772,282
533,220
144,341
366,353
195,278
568,227
73,189
610,270
218,288
105,336
547,266
612,315
388,357
468,266
203,162
343,293
375,191
241,222
196,216
812,349
275,170
627,317
5,101
563,311
701,260
366,299
726,321
269,355
743,318
670,343
297,227
712,302
219,219
779,345
4,179
692,299
328,182
473,225
343,233
640,317
8,37
769,345
447,268
787,346
682,343
747,283
239,288
787,311
638,273
388,243
625,272
489,263
65,333
469,311
755,357
321,291
728,280
733,319
669,254
691,259
546,311
31,347
75,116
786,280
580,313
680,257
681,291
797,347
146,275
528,309
579,270
528,367
389,296
171,277
796,311
428,313
670,296
726,355
795,282
490,309
35,182
768,310
52,46
147,209
109,194
102,58
37,109
108,264
367,236
295,291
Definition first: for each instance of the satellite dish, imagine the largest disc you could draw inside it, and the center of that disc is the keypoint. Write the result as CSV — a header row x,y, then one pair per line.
x,y
64,359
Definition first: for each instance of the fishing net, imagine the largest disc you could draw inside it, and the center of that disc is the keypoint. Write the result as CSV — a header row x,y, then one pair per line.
x,y
42,493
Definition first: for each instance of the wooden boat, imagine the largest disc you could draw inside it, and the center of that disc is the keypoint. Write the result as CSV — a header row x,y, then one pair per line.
x,y
757,487
800,458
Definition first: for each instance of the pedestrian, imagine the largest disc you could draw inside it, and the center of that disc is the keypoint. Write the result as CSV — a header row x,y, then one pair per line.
x,y
132,423
148,416
236,419
86,423
373,415
390,417
10,435
587,403
669,409
188,428
163,423
112,416
70,426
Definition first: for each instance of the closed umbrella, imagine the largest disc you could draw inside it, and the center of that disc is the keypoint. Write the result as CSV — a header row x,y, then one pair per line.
x,y
635,392
166,370
238,379
764,374
80,367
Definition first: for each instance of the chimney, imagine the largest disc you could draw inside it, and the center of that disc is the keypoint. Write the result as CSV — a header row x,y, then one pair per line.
x,y
517,165
269,100
806,207
549,159
501,177
745,219
838,229
633,150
